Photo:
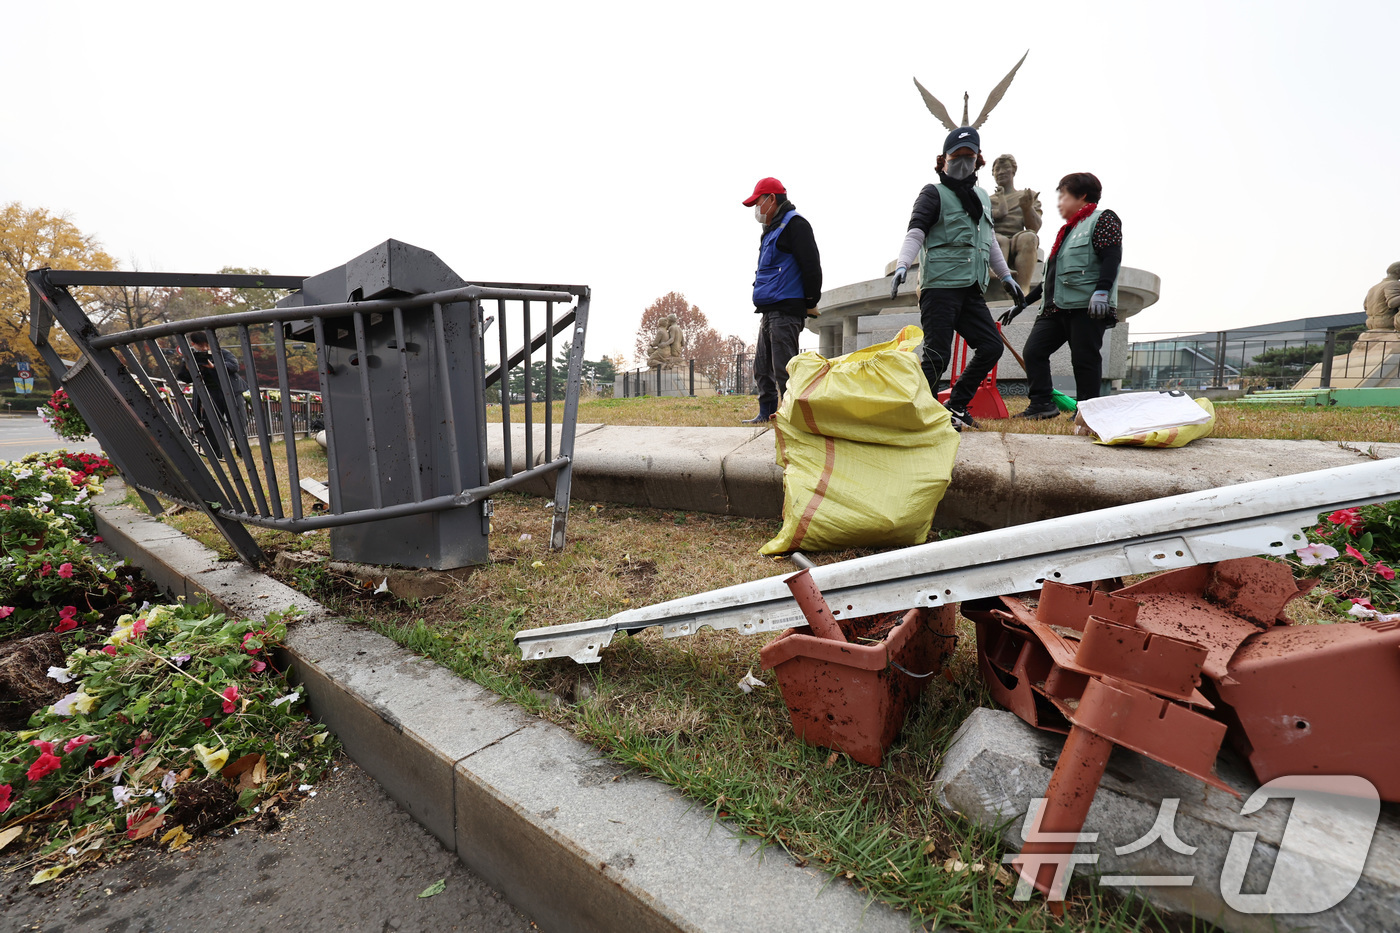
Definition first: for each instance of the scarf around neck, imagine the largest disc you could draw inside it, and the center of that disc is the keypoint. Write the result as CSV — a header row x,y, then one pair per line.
x,y
1083,212
962,187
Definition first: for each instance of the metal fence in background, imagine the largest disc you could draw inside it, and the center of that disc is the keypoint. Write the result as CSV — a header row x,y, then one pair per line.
x,y
1258,360
727,375
402,394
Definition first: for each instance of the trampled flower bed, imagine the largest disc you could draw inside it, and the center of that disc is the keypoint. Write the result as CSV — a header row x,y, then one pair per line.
x,y
126,724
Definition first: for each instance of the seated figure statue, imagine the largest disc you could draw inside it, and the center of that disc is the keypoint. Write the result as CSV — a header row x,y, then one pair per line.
x,y
1383,301
669,345
1016,217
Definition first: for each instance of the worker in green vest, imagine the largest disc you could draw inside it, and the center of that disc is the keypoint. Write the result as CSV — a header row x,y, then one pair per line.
x,y
951,235
1079,296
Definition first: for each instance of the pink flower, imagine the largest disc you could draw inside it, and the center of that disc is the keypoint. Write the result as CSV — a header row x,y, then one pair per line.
x,y
44,747
230,698
97,539
6,791
259,666
68,612
65,624
1353,552
76,743
5,611
65,571
110,649
1349,518
139,628
1384,571
1315,555
46,764
45,570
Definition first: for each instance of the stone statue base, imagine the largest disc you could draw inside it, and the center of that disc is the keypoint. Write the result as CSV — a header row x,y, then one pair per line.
x,y
1374,361
672,381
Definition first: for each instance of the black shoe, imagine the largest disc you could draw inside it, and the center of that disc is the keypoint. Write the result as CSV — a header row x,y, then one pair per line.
x,y
1040,412
757,419
961,419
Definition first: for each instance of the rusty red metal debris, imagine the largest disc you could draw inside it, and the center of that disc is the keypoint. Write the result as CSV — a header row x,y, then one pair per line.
x,y
1170,666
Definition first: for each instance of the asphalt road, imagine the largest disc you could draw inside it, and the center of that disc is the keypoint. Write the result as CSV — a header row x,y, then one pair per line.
x,y
26,434
349,860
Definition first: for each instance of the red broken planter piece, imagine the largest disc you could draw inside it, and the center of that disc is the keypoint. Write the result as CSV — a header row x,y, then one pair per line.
x,y
854,697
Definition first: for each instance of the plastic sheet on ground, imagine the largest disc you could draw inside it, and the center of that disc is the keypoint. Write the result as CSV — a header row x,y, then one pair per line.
x,y
1147,419
865,449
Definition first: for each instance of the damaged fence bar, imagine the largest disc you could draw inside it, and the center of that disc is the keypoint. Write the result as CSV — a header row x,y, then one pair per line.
x,y
1263,517
394,341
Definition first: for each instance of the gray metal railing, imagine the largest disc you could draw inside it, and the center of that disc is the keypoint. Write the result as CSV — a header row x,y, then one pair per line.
x,y
403,381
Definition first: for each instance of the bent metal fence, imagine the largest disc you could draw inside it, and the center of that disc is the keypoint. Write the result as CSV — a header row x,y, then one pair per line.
x,y
403,379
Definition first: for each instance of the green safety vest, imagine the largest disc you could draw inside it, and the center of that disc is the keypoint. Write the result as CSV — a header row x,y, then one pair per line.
x,y
1077,267
956,250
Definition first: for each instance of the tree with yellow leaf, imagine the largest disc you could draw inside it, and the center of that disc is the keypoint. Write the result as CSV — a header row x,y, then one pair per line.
x,y
31,239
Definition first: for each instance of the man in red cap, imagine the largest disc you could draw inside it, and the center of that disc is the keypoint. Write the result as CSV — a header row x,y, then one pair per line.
x,y
788,285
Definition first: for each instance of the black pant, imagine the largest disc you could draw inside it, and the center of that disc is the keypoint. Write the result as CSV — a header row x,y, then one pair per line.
x,y
943,311
1085,338
777,343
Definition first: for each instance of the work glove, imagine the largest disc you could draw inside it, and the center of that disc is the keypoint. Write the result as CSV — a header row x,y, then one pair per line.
x,y
1098,305
899,275
1016,295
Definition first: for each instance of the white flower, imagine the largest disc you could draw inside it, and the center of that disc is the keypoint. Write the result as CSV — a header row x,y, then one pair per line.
x,y
312,794
44,497
61,674
289,698
72,850
1315,555
750,681
160,798
303,787
1361,612
168,781
122,795
382,588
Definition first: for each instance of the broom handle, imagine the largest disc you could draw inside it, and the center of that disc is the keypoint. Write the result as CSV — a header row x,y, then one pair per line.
x,y
1011,348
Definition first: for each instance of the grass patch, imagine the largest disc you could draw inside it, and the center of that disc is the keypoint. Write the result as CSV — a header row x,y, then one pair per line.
x,y
672,708
1233,419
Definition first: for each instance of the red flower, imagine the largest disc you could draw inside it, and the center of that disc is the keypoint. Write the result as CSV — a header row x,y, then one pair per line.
x,y
44,747
45,570
103,763
66,625
207,720
1350,518
1353,552
65,571
1384,571
139,628
76,743
110,649
230,698
6,791
47,763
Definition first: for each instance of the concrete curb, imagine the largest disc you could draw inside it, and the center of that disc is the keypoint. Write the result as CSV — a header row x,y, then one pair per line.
x,y
574,841
998,479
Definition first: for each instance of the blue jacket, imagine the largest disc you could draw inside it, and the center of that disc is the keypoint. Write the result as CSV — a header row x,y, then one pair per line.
x,y
779,275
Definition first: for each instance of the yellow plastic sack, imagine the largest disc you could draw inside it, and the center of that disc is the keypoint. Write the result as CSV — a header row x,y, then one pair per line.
x,y
1172,437
866,452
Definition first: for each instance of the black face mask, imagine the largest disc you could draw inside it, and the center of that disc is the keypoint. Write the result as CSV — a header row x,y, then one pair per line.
x,y
962,187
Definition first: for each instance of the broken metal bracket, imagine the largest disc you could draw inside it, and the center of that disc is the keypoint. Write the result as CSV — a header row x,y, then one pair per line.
x,y
1264,517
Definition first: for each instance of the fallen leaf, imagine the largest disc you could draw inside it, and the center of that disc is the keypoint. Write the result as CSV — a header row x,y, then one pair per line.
x,y
10,835
831,759
1004,876
146,827
235,769
437,887
48,874
176,837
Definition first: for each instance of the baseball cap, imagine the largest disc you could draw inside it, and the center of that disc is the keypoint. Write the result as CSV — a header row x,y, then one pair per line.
x,y
765,186
960,137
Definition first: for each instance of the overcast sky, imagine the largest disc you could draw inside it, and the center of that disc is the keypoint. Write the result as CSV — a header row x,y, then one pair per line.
x,y
1251,148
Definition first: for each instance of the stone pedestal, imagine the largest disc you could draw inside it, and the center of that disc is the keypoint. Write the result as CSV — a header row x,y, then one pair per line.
x,y
672,381
1374,361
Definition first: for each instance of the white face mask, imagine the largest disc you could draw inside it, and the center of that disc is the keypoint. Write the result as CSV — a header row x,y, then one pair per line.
x,y
962,167
758,215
